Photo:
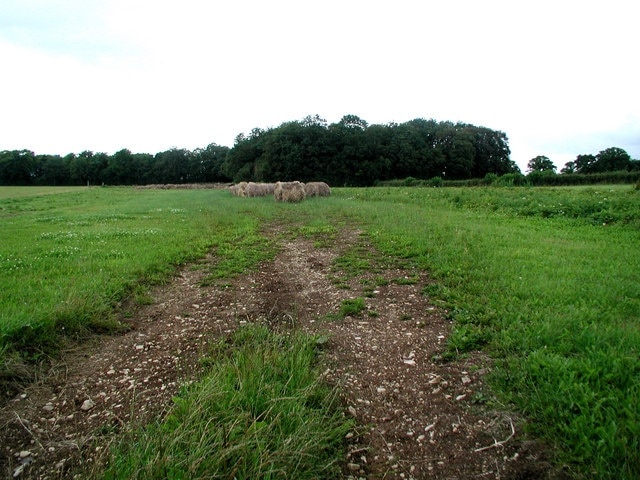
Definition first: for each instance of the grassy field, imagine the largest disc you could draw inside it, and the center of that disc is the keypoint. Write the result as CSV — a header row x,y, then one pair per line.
x,y
545,279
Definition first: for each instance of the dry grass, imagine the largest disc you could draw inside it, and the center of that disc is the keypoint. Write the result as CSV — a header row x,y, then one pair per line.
x,y
292,192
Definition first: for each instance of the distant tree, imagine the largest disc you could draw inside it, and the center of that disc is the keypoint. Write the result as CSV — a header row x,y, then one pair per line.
x,y
612,160
172,166
122,169
541,163
491,152
314,121
585,163
55,170
82,169
207,164
353,121
569,167
18,167
242,158
455,143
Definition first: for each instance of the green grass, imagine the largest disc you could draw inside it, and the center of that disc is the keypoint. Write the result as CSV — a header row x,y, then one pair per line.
x,y
260,412
351,307
545,279
555,298
17,192
67,260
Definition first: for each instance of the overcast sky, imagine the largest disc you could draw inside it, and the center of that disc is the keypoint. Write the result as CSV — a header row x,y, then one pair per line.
x,y
560,78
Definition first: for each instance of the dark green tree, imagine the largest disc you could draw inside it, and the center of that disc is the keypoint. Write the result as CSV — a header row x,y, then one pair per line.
x,y
492,153
541,163
240,164
612,159
120,169
18,167
54,170
585,163
569,167
207,164
172,166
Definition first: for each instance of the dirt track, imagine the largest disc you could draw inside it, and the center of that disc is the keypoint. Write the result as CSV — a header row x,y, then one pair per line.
x,y
419,418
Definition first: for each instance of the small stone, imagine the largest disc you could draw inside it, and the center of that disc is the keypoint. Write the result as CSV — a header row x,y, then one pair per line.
x,y
352,410
48,407
354,467
381,389
87,405
461,397
466,379
24,454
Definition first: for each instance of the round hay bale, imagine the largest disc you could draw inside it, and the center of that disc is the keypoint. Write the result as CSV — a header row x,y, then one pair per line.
x,y
238,189
268,188
317,189
252,190
292,192
259,189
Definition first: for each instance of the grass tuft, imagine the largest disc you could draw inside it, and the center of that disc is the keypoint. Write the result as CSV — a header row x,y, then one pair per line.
x,y
261,412
351,307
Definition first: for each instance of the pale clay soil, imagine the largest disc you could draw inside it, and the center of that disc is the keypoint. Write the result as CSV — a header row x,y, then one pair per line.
x,y
417,417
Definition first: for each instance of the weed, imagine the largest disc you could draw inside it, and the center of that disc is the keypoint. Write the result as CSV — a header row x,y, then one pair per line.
x,y
351,307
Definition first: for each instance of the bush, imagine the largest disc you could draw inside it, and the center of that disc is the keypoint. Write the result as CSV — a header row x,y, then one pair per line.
x,y
511,180
436,182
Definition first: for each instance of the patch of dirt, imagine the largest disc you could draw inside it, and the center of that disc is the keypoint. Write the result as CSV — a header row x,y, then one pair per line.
x,y
417,417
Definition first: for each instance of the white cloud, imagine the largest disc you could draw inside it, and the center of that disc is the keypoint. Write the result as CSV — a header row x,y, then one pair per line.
x,y
557,77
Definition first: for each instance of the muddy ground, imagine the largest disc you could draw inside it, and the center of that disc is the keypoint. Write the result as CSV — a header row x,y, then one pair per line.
x,y
418,417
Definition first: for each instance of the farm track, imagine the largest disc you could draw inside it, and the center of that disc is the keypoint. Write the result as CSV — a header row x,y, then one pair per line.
x,y
417,417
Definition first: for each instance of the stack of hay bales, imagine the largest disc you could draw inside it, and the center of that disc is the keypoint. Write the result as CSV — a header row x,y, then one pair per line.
x,y
292,192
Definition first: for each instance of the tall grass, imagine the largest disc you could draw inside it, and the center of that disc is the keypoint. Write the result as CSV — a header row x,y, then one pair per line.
x,y
261,412
556,298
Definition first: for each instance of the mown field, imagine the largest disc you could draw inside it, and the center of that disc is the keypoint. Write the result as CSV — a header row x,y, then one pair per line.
x,y
546,280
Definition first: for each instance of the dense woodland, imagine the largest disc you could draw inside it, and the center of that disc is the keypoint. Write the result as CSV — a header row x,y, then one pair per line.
x,y
350,152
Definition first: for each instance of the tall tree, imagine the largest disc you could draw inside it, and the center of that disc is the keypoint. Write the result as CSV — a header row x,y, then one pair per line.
x,y
585,163
18,167
612,159
541,163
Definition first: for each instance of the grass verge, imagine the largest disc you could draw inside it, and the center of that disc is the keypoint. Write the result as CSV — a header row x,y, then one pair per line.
x,y
555,297
261,412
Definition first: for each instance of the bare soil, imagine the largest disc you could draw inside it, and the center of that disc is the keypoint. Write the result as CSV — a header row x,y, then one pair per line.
x,y
418,417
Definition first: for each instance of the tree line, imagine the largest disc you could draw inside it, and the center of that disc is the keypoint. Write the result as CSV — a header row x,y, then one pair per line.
x,y
352,152
346,153
23,167
349,152
611,159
